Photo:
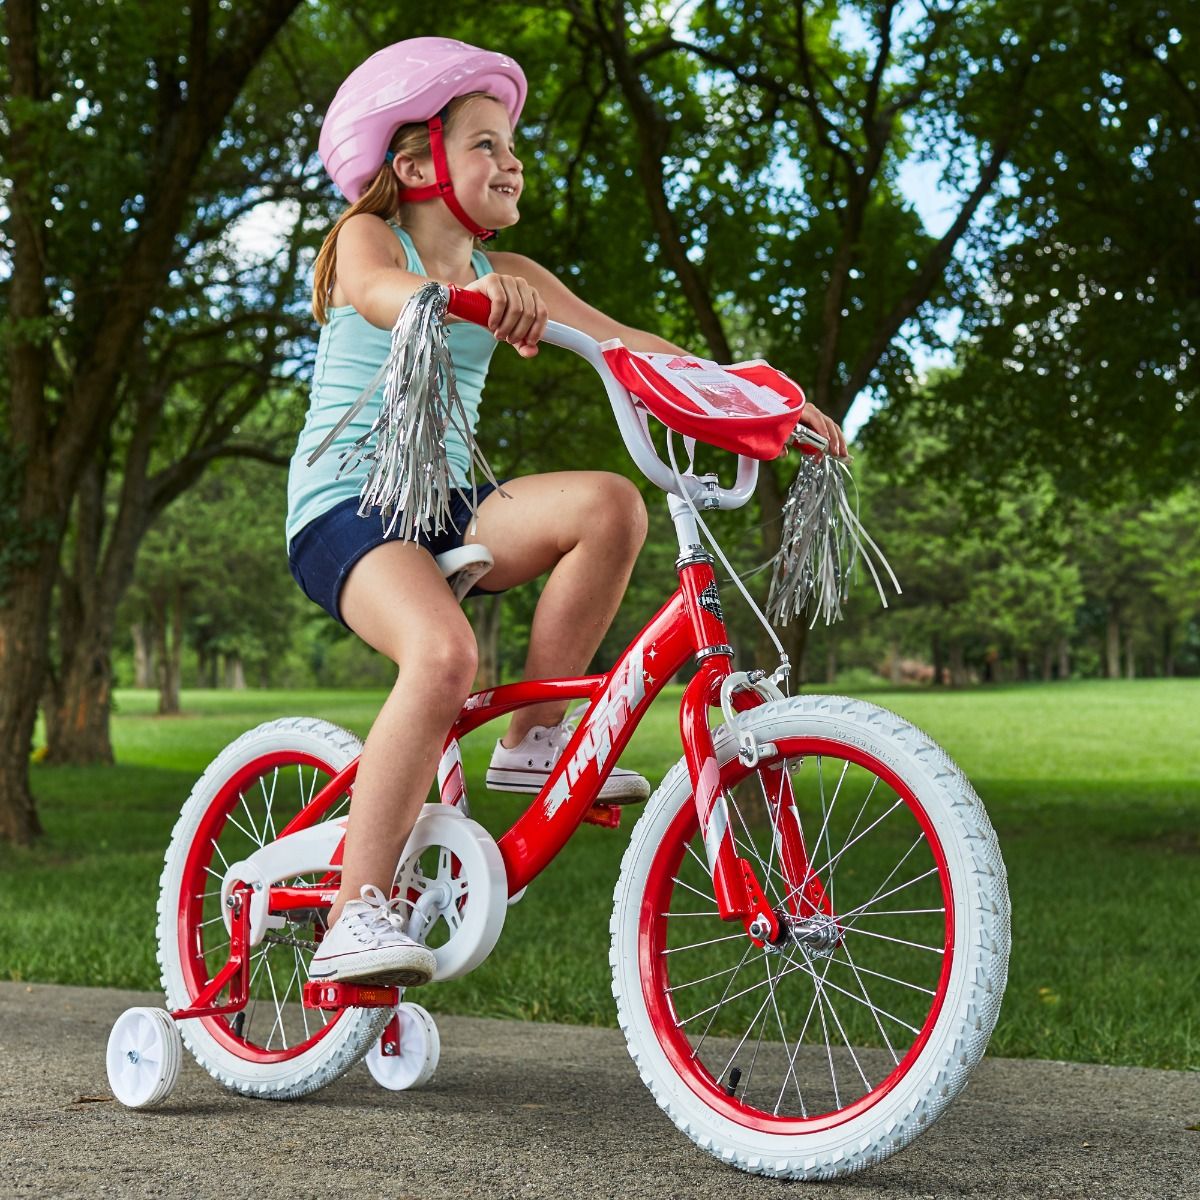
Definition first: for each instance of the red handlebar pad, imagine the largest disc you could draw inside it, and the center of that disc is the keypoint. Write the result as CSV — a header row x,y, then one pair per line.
x,y
470,306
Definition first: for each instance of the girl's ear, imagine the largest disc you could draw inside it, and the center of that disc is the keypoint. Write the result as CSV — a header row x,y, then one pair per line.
x,y
410,172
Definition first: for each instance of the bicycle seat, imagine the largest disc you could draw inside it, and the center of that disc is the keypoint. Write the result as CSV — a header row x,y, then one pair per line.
x,y
463,565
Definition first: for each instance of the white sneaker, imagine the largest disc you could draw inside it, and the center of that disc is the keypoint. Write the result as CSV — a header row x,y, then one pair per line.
x,y
526,767
368,945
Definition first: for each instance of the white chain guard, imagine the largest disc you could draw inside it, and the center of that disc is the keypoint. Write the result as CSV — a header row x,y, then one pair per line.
x,y
469,901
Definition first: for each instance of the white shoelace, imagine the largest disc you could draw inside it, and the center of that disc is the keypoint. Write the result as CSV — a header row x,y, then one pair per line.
x,y
383,918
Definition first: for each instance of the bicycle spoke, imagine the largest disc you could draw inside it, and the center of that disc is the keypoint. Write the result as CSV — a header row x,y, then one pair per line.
x,y
675,987
269,820
900,941
852,914
771,980
899,912
837,857
887,1041
762,1028
676,879
754,1020
863,809
303,1010
877,894
716,1007
736,995
916,987
826,983
240,827
278,1010
729,937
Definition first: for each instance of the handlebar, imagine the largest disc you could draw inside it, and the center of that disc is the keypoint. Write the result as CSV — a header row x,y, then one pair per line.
x,y
632,421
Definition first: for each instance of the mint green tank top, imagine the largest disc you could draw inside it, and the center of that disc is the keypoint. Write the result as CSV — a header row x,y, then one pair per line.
x,y
349,352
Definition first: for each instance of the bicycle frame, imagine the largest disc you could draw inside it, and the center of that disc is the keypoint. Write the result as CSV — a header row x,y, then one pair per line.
x,y
691,622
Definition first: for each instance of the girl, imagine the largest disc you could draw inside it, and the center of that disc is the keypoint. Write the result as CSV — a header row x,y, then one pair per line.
x,y
420,141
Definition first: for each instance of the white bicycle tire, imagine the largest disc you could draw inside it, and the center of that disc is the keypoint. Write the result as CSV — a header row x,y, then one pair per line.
x,y
977,976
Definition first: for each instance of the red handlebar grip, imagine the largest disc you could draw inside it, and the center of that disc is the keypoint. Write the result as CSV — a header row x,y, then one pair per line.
x,y
470,306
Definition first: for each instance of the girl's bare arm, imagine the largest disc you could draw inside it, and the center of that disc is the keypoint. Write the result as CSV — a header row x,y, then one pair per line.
x,y
568,309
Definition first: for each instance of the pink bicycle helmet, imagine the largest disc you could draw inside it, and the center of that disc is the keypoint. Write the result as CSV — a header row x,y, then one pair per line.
x,y
408,82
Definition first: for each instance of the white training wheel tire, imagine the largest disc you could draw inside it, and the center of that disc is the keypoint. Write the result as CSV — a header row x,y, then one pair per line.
x,y
144,1054
416,1057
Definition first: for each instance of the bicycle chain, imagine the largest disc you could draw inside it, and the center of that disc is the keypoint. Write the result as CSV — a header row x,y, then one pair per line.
x,y
277,940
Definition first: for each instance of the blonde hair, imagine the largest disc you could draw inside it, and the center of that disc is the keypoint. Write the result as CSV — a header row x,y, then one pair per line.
x,y
381,198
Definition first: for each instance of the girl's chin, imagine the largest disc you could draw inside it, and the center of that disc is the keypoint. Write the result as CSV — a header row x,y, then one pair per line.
x,y
506,216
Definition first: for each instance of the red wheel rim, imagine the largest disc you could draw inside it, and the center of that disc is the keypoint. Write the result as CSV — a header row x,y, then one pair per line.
x,y
654,968
197,881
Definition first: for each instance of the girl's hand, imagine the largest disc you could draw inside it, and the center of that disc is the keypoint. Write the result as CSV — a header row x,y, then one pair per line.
x,y
817,421
519,314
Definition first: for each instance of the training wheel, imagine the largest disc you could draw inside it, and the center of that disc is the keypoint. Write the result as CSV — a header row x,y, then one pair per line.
x,y
413,1053
144,1055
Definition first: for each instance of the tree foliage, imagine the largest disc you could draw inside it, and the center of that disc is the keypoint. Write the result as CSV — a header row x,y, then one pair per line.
x,y
1080,354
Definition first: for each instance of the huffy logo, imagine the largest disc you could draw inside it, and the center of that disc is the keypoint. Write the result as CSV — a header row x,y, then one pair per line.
x,y
479,700
626,691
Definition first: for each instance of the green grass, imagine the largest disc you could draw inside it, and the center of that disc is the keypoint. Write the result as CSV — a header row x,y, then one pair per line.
x,y
1094,788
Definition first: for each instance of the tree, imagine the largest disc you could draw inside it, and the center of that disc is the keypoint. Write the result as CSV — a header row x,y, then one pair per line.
x,y
114,179
1080,353
211,572
831,275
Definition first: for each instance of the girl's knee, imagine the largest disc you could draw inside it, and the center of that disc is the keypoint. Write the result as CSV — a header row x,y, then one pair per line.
x,y
445,669
622,511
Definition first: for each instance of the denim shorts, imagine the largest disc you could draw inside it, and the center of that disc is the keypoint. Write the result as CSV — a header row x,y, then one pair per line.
x,y
322,553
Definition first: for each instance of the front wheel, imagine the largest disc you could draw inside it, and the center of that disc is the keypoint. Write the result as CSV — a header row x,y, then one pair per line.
x,y
834,1048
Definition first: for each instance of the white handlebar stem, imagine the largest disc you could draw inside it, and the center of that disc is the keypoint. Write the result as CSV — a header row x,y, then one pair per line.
x,y
636,436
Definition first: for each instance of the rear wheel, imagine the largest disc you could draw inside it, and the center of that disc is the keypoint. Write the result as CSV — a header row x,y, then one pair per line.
x,y
274,1047
834,1048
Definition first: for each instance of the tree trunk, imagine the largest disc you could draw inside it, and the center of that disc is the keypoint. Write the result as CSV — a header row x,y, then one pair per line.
x,y
958,666
24,618
79,697
169,654
1168,668
487,636
235,673
939,661
894,673
1130,657
143,657
1064,659
79,702
1112,644
1047,663
831,661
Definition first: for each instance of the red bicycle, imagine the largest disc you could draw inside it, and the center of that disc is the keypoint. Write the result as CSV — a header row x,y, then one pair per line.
x,y
810,930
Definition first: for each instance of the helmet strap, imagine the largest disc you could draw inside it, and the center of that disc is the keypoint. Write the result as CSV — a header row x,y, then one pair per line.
x,y
443,189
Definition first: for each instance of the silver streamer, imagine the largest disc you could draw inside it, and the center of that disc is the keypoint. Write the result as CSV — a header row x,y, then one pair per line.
x,y
821,543
409,477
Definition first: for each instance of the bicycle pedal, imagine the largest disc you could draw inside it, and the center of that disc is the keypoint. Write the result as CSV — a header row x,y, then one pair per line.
x,y
349,995
607,815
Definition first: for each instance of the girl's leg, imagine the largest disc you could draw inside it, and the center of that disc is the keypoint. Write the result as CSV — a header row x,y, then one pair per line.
x,y
396,600
586,528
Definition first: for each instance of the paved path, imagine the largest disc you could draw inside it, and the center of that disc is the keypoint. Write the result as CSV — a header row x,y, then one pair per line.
x,y
531,1111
